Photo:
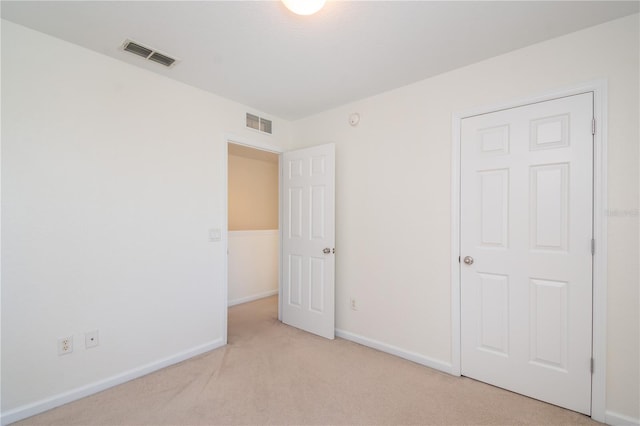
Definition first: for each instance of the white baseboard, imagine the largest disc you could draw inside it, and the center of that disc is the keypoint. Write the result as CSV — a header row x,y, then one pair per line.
x,y
615,419
253,297
38,407
611,418
394,350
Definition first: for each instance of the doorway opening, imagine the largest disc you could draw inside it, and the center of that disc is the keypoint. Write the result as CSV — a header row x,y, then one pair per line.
x,y
253,224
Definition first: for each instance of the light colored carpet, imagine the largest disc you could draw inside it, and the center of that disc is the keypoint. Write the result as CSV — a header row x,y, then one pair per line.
x,y
270,373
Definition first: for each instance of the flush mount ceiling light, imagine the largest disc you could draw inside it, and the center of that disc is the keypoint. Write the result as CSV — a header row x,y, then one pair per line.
x,y
304,7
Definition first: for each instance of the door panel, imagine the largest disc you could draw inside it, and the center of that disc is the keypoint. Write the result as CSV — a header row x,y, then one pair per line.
x,y
549,207
308,229
494,208
493,320
549,323
526,220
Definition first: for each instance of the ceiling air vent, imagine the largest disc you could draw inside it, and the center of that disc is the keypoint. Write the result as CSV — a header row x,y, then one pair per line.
x,y
258,123
148,53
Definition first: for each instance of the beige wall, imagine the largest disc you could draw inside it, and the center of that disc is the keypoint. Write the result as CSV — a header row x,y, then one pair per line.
x,y
253,193
393,194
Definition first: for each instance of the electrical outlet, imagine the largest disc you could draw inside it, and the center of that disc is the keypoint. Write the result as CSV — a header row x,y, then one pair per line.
x,y
65,345
91,339
352,304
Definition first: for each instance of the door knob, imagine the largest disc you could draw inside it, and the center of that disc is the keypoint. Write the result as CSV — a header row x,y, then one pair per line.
x,y
326,250
468,260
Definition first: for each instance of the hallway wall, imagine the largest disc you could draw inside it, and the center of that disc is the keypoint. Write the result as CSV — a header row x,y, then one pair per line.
x,y
253,224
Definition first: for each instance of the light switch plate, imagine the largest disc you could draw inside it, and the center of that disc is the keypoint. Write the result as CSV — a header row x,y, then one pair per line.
x,y
215,234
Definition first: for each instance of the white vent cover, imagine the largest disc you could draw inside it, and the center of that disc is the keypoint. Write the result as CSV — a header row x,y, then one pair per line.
x,y
258,123
148,53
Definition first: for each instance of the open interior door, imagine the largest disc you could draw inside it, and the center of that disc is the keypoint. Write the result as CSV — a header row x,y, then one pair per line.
x,y
308,239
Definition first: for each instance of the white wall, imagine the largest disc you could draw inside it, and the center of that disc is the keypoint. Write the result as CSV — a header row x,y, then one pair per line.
x,y
253,265
393,195
111,178
0,231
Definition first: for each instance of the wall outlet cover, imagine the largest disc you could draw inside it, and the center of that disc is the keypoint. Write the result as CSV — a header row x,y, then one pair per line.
x,y
91,339
65,345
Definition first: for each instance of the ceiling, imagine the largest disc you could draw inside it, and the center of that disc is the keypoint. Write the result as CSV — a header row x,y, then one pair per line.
x,y
260,54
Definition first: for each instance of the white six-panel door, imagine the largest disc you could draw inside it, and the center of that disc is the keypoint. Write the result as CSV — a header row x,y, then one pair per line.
x,y
308,235
526,230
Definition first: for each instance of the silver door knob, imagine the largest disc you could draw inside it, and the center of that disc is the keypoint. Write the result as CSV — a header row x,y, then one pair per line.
x,y
468,260
326,250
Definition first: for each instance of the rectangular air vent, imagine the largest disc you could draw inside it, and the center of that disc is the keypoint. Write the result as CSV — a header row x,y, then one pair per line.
x,y
161,59
148,53
258,123
137,49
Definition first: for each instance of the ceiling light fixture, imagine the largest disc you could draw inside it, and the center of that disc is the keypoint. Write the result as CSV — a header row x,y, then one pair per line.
x,y
304,7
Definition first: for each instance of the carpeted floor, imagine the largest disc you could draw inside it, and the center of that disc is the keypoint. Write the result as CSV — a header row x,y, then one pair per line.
x,y
270,373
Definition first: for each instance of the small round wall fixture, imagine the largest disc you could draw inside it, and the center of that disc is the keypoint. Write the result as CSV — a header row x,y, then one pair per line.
x,y
304,7
354,119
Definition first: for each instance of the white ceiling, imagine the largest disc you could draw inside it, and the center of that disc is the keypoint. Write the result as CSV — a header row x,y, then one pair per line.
x,y
260,54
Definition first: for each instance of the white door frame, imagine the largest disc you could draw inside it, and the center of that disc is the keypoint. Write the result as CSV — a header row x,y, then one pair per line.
x,y
599,331
239,140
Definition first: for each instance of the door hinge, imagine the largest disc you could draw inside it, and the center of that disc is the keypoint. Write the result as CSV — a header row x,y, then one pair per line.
x,y
592,365
593,126
593,247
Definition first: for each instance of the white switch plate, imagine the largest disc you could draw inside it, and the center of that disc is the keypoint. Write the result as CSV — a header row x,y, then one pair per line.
x,y
215,234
